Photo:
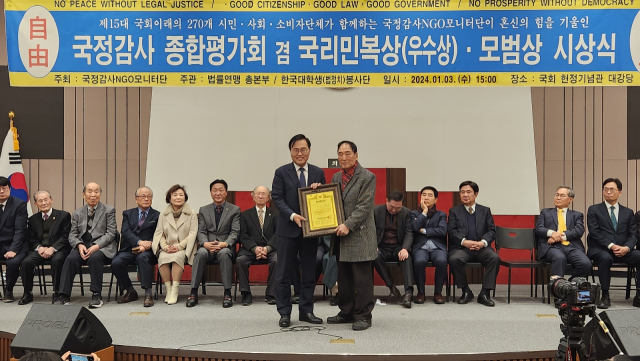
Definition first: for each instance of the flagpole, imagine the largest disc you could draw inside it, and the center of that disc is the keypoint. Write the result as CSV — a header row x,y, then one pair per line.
x,y
16,143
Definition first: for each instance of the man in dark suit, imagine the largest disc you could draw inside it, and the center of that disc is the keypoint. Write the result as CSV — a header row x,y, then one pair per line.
x,y
355,246
258,238
429,227
218,231
94,242
286,181
321,256
559,231
48,242
394,235
138,226
471,232
13,230
612,238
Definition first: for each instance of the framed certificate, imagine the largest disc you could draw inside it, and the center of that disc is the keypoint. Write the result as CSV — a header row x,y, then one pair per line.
x,y
322,208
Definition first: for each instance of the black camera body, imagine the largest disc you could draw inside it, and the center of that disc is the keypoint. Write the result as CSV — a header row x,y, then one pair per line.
x,y
579,292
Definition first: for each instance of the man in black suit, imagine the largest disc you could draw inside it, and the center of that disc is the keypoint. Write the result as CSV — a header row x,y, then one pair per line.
x,y
138,226
286,182
612,238
559,231
471,232
48,242
13,230
393,229
258,238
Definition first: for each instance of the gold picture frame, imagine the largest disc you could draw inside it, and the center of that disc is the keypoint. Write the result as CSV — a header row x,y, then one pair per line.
x,y
322,208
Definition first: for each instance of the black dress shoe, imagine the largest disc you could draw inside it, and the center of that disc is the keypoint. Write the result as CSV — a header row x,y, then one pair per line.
x,y
285,321
295,299
465,298
605,302
361,325
334,300
485,300
270,300
227,302
636,301
311,318
128,297
192,300
406,300
54,297
394,292
8,297
26,298
247,298
339,319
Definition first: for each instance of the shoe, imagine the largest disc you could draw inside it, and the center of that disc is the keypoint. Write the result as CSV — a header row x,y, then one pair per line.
x,y
227,302
54,297
334,300
26,298
96,301
8,297
295,299
419,299
175,290
192,300
285,321
270,300
0,294
361,325
148,300
247,298
485,300
167,286
406,300
465,298
63,300
128,297
636,300
605,302
394,292
311,318
438,298
339,319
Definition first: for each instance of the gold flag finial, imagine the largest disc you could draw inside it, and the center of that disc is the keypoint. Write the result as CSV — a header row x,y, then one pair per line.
x,y
16,144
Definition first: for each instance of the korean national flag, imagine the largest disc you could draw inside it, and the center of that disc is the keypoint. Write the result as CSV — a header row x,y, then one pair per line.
x,y
11,167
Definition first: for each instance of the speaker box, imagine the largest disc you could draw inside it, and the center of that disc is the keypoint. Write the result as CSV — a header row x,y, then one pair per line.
x,y
624,326
60,329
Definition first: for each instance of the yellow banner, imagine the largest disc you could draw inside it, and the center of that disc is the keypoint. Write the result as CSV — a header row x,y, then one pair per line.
x,y
317,5
328,80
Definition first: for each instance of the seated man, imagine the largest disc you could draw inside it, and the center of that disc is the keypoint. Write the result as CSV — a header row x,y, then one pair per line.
x,y
94,242
612,238
258,237
393,229
559,231
138,226
429,227
13,229
471,232
48,241
218,230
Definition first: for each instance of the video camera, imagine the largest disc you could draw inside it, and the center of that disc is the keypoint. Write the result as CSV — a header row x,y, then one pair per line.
x,y
579,292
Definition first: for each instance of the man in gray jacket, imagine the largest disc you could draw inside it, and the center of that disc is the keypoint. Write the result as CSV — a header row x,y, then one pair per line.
x,y
94,242
356,243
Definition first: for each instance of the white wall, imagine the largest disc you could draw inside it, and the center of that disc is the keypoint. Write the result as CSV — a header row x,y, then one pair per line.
x,y
441,135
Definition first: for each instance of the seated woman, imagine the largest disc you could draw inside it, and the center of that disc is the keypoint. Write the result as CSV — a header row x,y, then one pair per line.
x,y
175,239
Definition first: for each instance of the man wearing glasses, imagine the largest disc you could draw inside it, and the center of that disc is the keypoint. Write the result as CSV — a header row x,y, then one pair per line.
x,y
559,231
612,238
138,226
286,181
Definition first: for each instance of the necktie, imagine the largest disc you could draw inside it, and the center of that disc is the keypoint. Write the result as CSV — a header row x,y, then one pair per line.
x,y
470,210
562,225
261,217
45,216
90,221
143,218
613,218
219,209
303,180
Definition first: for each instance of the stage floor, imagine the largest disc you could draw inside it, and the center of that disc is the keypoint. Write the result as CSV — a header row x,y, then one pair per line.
x,y
525,325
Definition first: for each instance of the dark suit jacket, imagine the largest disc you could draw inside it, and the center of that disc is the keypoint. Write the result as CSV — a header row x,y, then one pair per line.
x,y
130,232
252,236
436,228
458,228
403,224
548,220
601,232
285,196
13,225
58,233
227,231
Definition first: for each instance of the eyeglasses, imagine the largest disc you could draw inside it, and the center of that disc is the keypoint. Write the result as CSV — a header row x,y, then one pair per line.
x,y
302,151
610,190
558,195
43,201
144,197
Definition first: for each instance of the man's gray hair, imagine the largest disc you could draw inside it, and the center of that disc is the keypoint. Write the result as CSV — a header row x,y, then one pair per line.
x,y
572,194
84,189
267,188
144,187
39,192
